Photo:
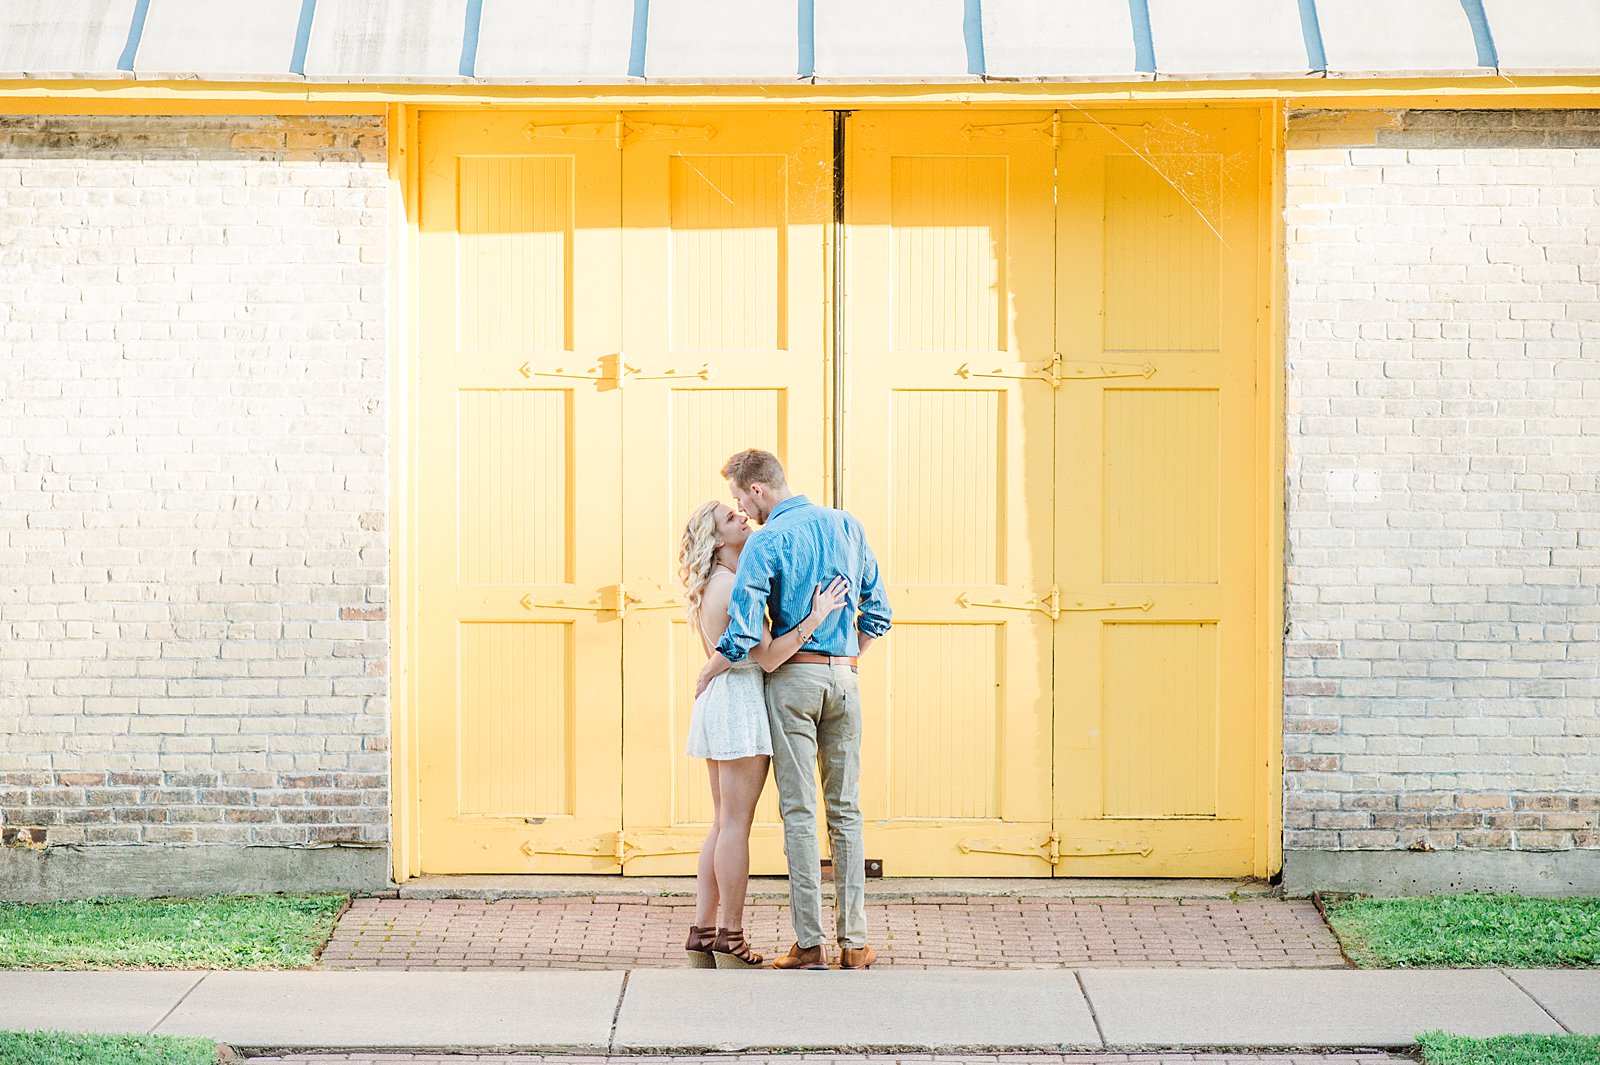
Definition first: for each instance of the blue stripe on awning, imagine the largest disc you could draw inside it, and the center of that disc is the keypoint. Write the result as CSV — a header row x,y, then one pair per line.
x,y
469,38
972,32
1144,45
1311,30
302,37
130,51
636,47
1488,54
808,39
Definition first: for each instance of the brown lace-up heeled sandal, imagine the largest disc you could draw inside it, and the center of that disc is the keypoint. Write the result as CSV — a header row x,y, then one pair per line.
x,y
732,952
698,946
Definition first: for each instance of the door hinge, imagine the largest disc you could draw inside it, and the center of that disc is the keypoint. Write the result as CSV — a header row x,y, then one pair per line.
x,y
572,130
1090,603
628,373
629,130
1058,371
1049,603
620,847
612,599
1055,604
1049,129
613,371
1053,848
661,600
622,130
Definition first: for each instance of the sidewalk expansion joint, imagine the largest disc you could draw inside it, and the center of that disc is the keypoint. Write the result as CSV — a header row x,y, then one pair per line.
x,y
1535,998
1077,974
200,980
616,1014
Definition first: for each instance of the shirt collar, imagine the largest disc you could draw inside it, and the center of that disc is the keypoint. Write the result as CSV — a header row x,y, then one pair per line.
x,y
788,504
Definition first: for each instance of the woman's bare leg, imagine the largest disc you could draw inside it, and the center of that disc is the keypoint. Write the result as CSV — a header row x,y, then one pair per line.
x,y
741,781
705,882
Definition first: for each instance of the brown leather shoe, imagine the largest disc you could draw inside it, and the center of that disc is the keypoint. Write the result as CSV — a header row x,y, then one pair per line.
x,y
857,957
802,958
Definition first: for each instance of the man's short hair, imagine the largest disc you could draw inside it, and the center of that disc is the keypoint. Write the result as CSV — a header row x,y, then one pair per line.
x,y
753,466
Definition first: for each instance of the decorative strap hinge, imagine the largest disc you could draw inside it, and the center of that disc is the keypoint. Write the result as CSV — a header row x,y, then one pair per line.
x,y
1055,603
1090,603
1047,849
615,372
1049,603
622,130
1049,130
1053,848
628,131
1058,371
620,847
612,599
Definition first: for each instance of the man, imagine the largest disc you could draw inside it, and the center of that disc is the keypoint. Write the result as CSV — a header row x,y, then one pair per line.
x,y
813,703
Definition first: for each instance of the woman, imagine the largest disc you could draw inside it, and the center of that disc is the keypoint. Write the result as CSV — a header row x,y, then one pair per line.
x,y
729,729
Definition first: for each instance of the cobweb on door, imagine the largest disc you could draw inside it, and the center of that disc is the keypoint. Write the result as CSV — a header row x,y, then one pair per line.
x,y
810,162
1184,157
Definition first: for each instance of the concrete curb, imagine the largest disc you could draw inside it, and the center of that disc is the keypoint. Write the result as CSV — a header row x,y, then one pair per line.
x,y
664,1011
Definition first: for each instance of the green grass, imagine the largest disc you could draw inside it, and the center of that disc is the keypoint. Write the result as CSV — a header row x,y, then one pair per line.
x,y
1441,1049
1446,931
63,1048
218,932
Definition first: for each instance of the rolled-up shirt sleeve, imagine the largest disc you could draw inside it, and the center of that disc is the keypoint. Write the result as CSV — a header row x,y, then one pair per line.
x,y
747,606
874,617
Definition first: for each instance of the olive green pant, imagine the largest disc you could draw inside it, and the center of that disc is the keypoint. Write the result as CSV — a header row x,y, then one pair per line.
x,y
815,713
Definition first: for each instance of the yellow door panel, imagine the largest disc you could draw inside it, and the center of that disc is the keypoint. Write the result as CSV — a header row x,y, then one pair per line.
x,y
948,461
1050,431
1155,709
519,553
725,297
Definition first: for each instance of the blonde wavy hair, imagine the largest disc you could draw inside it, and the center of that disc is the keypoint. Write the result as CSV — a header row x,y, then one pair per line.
x,y
697,555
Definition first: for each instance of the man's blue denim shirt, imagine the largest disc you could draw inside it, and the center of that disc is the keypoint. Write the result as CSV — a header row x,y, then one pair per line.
x,y
803,545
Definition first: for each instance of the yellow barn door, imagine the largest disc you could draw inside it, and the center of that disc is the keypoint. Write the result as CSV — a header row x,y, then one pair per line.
x,y
520,691
1050,432
949,454
725,298
1155,461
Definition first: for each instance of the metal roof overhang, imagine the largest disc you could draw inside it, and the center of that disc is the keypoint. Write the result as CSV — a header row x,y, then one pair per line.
x,y
298,54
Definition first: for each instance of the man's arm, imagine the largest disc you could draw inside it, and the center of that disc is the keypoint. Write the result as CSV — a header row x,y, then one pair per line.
x,y
874,616
747,603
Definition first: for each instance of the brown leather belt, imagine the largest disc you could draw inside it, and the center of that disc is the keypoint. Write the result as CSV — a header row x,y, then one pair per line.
x,y
809,658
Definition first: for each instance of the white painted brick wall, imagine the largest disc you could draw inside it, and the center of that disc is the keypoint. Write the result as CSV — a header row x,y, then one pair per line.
x,y
1443,453
192,480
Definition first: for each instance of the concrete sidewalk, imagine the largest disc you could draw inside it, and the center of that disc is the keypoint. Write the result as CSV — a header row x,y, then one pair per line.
x,y
684,1010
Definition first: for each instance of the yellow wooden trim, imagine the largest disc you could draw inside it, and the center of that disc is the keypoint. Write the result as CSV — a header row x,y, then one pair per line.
x,y
91,96
1270,500
405,843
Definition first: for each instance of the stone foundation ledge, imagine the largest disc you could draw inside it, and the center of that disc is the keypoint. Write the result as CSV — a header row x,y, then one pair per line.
x,y
1400,873
48,874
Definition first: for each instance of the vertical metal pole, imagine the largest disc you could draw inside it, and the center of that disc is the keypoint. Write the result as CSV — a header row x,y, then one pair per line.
x,y
839,118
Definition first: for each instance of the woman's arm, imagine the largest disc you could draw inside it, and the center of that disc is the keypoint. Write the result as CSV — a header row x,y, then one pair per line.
x,y
714,666
713,606
773,652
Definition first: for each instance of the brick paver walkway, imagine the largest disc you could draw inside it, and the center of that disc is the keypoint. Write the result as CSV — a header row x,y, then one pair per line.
x,y
967,932
1170,1057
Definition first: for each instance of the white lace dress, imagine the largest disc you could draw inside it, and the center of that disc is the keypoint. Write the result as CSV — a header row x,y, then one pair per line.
x,y
730,717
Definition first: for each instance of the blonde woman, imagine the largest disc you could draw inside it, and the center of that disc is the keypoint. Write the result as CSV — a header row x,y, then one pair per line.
x,y
729,729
